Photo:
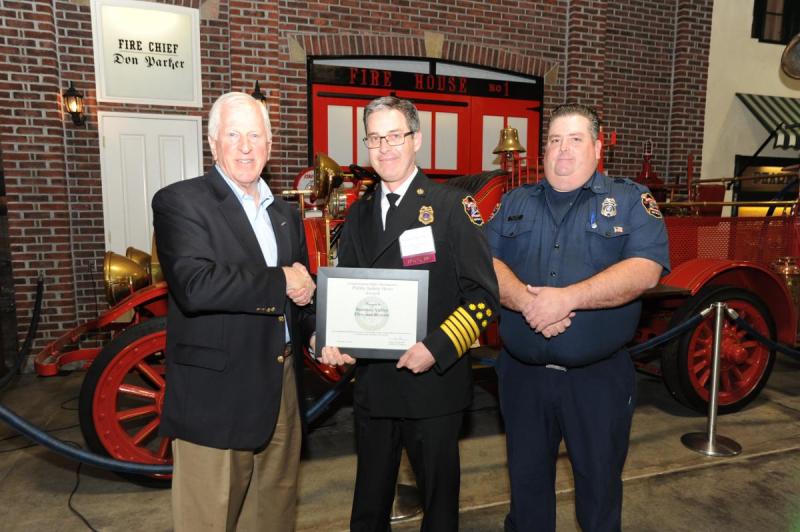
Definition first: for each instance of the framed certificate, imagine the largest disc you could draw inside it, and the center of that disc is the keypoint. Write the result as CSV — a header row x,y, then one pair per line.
x,y
371,312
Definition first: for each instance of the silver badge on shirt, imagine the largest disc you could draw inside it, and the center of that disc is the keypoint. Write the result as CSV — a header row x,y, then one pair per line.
x,y
609,207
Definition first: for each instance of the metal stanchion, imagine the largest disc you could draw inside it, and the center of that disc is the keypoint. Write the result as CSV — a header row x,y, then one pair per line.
x,y
709,442
406,496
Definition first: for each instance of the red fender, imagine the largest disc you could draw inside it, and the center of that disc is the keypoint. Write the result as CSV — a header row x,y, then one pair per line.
x,y
696,273
49,360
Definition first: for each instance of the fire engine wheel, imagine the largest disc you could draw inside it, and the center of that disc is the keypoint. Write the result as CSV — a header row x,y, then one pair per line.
x,y
745,364
122,396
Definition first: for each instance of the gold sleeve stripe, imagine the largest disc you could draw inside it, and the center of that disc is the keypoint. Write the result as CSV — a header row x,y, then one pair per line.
x,y
466,328
470,320
457,342
460,332
462,327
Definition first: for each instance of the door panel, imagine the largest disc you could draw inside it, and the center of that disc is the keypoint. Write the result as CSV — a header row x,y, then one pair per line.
x,y
139,154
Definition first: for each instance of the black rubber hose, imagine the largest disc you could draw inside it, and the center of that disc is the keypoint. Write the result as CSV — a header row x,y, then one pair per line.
x,y
38,436
327,398
32,328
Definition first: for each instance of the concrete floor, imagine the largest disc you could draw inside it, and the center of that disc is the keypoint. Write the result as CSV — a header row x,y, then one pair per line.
x,y
667,487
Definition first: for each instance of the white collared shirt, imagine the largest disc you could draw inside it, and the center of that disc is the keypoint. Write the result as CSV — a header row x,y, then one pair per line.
x,y
259,220
258,217
400,191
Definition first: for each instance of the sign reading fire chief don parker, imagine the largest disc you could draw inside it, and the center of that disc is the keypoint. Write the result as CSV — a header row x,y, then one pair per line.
x,y
146,52
371,312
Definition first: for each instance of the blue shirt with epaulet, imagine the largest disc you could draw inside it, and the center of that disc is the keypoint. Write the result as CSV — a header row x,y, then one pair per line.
x,y
610,220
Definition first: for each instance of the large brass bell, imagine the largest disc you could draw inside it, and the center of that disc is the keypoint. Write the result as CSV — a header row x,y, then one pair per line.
x,y
327,177
509,141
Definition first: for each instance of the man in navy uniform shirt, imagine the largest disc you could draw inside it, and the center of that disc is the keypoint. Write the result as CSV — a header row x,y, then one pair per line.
x,y
572,254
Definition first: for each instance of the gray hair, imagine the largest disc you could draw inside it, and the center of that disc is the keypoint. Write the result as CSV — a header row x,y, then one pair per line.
x,y
387,103
229,97
570,109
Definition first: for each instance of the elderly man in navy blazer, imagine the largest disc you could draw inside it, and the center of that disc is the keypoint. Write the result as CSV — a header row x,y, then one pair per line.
x,y
234,257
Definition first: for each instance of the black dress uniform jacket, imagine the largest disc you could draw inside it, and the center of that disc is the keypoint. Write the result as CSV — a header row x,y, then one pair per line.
x,y
462,299
227,312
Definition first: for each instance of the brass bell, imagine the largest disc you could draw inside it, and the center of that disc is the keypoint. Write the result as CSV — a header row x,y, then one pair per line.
x,y
509,141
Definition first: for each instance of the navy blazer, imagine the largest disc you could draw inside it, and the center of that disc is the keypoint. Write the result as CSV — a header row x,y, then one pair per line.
x,y
227,311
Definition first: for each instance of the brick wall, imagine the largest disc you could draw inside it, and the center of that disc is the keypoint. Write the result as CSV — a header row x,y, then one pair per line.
x,y
617,56
636,90
692,41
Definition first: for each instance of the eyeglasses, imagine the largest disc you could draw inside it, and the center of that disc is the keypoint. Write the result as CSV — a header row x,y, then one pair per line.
x,y
392,139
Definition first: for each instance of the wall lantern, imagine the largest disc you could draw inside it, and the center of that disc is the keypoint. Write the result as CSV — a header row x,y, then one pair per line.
x,y
73,101
259,95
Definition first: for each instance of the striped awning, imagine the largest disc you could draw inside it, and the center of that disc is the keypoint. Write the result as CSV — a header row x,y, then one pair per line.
x,y
778,114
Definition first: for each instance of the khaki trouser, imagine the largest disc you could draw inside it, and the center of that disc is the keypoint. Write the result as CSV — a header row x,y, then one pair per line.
x,y
229,490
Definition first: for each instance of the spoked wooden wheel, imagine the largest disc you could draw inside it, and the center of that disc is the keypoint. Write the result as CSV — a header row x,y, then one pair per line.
x,y
122,397
745,363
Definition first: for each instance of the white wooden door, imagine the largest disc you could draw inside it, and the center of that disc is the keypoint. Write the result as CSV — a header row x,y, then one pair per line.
x,y
139,154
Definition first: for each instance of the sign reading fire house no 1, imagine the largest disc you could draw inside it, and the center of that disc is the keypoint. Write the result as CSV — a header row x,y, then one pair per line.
x,y
423,82
146,52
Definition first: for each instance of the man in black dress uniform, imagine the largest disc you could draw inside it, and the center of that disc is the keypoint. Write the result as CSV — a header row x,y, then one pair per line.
x,y
418,401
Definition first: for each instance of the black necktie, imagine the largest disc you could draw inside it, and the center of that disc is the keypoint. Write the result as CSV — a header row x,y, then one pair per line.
x,y
392,197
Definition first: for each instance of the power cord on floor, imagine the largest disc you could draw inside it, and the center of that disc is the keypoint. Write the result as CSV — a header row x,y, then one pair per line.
x,y
72,508
75,490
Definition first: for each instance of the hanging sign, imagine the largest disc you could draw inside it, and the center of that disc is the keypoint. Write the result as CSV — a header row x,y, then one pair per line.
x,y
146,53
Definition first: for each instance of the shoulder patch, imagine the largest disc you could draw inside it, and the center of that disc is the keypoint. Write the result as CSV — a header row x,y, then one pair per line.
x,y
650,205
471,208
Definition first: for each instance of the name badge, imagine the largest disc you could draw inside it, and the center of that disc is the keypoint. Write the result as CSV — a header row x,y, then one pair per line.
x,y
417,247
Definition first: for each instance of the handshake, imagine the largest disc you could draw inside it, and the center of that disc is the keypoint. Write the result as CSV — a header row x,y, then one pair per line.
x,y
299,285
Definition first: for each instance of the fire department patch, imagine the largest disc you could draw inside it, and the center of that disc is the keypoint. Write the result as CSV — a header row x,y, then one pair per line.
x,y
471,208
494,211
650,205
609,207
426,215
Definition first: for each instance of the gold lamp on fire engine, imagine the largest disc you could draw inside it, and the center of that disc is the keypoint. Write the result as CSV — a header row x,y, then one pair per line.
x,y
124,275
790,59
142,258
327,177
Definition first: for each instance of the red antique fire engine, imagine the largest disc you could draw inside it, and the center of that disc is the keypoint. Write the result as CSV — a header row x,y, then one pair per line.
x,y
714,258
